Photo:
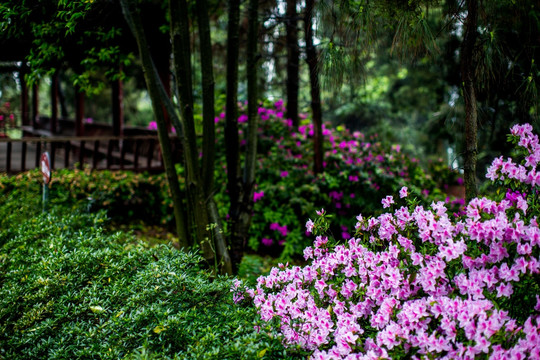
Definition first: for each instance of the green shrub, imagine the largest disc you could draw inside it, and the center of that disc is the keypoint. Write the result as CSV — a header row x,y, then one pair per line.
x,y
126,196
18,199
70,290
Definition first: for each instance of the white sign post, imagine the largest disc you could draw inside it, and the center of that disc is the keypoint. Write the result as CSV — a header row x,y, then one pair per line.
x,y
46,172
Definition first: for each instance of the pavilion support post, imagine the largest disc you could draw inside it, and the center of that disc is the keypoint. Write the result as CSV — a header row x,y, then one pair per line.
x,y
53,125
79,112
35,105
164,72
118,107
25,111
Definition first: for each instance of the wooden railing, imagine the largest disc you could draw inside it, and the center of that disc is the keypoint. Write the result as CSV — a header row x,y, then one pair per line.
x,y
137,153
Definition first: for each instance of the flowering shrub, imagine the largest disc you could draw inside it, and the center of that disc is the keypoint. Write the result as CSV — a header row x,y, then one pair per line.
x,y
416,282
357,170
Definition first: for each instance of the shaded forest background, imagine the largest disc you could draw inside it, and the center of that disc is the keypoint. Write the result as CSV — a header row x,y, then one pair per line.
x,y
385,69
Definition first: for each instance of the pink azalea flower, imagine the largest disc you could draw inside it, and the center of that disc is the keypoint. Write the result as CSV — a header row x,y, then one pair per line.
x,y
309,226
505,290
387,201
258,195
403,192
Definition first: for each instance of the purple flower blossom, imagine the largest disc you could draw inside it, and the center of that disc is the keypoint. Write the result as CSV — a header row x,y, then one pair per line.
x,y
335,195
403,192
309,226
258,195
387,201
274,226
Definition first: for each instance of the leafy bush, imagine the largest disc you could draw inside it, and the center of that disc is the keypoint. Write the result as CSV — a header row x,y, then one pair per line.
x,y
357,171
18,199
70,290
418,282
125,195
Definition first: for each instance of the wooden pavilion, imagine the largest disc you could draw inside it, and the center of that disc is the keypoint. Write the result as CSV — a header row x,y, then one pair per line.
x,y
98,145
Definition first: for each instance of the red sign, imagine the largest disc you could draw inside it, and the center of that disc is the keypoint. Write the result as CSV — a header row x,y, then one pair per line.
x,y
45,168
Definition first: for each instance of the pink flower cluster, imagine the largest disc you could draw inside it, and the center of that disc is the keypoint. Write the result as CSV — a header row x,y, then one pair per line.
x,y
281,229
418,283
525,173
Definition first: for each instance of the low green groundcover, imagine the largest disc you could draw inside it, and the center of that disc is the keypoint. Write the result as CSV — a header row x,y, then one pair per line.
x,y
70,290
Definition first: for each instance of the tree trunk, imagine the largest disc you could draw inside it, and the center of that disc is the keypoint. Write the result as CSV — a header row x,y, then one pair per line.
x,y
207,71
240,233
231,127
312,61
468,68
179,28
158,97
293,56
209,138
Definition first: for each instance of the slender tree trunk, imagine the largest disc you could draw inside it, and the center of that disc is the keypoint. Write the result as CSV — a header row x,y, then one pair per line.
x,y
252,88
293,65
312,61
231,127
468,68
179,28
240,233
207,71
209,139
158,97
